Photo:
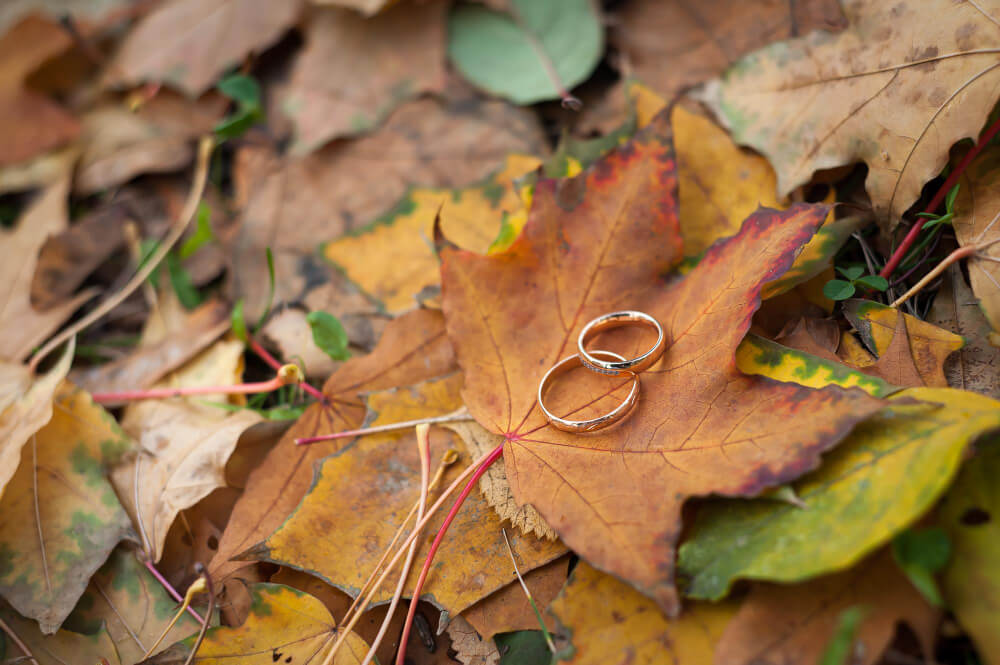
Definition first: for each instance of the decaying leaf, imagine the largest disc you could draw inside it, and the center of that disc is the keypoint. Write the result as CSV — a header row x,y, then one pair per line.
x,y
353,71
285,625
604,241
976,209
976,366
508,609
970,511
25,327
413,348
30,122
126,600
470,648
59,516
793,624
600,619
25,407
896,89
882,478
361,494
187,44
58,649
183,445
673,45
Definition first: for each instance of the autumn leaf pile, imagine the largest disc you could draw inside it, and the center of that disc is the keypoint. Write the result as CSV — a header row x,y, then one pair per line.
x,y
420,204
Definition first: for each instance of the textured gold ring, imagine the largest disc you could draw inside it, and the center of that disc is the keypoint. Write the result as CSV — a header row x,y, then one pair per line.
x,y
593,424
622,365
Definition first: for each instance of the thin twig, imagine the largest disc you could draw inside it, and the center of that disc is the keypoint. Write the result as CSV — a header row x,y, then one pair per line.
x,y
527,592
171,590
957,255
200,569
454,417
198,586
17,640
187,213
288,374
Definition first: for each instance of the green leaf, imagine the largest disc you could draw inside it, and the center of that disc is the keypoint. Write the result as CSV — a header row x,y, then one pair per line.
x,y
238,322
851,273
876,282
838,651
202,233
180,280
515,55
838,289
329,335
524,647
236,124
878,481
949,200
245,91
241,88
920,554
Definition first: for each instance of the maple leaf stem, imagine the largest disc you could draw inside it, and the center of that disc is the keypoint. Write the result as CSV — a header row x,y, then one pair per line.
x,y
275,364
205,146
480,469
287,374
914,232
198,586
17,640
454,417
957,255
170,589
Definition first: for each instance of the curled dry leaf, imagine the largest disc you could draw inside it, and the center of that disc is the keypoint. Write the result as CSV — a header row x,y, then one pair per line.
x,y
970,512
599,618
976,222
799,621
600,242
976,366
896,89
25,327
284,626
508,609
494,485
413,348
126,600
25,407
470,648
187,44
30,122
361,494
353,71
59,516
58,649
881,479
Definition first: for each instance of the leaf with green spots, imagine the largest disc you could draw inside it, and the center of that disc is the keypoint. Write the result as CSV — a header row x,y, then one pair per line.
x,y
329,334
59,516
285,625
883,477
126,599
533,53
971,582
59,649
759,355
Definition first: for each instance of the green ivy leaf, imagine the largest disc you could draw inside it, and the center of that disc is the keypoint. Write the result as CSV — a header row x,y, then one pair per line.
x,y
838,289
329,335
876,282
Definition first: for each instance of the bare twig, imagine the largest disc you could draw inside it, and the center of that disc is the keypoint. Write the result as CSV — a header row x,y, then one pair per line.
x,y
17,640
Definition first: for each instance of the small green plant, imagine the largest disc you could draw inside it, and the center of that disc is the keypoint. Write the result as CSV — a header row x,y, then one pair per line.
x,y
238,322
180,278
842,289
920,553
329,334
838,651
934,220
245,92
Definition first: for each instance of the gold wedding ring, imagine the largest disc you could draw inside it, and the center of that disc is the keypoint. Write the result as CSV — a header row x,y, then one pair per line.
x,y
600,422
621,365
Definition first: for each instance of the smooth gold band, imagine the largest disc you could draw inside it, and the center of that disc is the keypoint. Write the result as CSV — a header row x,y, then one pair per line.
x,y
593,424
623,365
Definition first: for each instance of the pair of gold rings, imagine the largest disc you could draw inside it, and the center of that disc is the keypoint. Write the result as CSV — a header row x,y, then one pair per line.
x,y
604,362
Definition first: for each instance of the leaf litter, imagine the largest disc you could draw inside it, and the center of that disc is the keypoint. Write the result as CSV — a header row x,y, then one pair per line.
x,y
407,204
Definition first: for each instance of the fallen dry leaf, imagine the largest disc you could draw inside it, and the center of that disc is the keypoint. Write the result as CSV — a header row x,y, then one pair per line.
x,y
361,495
603,620
793,624
819,337
25,327
508,609
604,241
63,647
896,89
413,348
292,204
976,208
976,366
25,407
187,44
895,363
30,122
470,648
367,7
671,46
353,71
59,516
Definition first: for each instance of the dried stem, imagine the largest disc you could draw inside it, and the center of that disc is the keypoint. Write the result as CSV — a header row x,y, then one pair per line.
x,y
187,213
454,417
527,592
171,590
17,640
288,374
211,608
957,255
480,469
198,586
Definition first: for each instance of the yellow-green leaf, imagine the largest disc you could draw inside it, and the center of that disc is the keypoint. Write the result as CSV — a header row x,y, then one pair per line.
x,y
59,649
884,476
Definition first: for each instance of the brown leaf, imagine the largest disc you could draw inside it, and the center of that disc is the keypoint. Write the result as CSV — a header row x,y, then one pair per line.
x,y
508,609
30,122
187,44
674,45
895,364
976,366
290,333
820,337
780,624
413,348
470,648
975,223
292,204
353,71
23,326
895,90
367,7
600,242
